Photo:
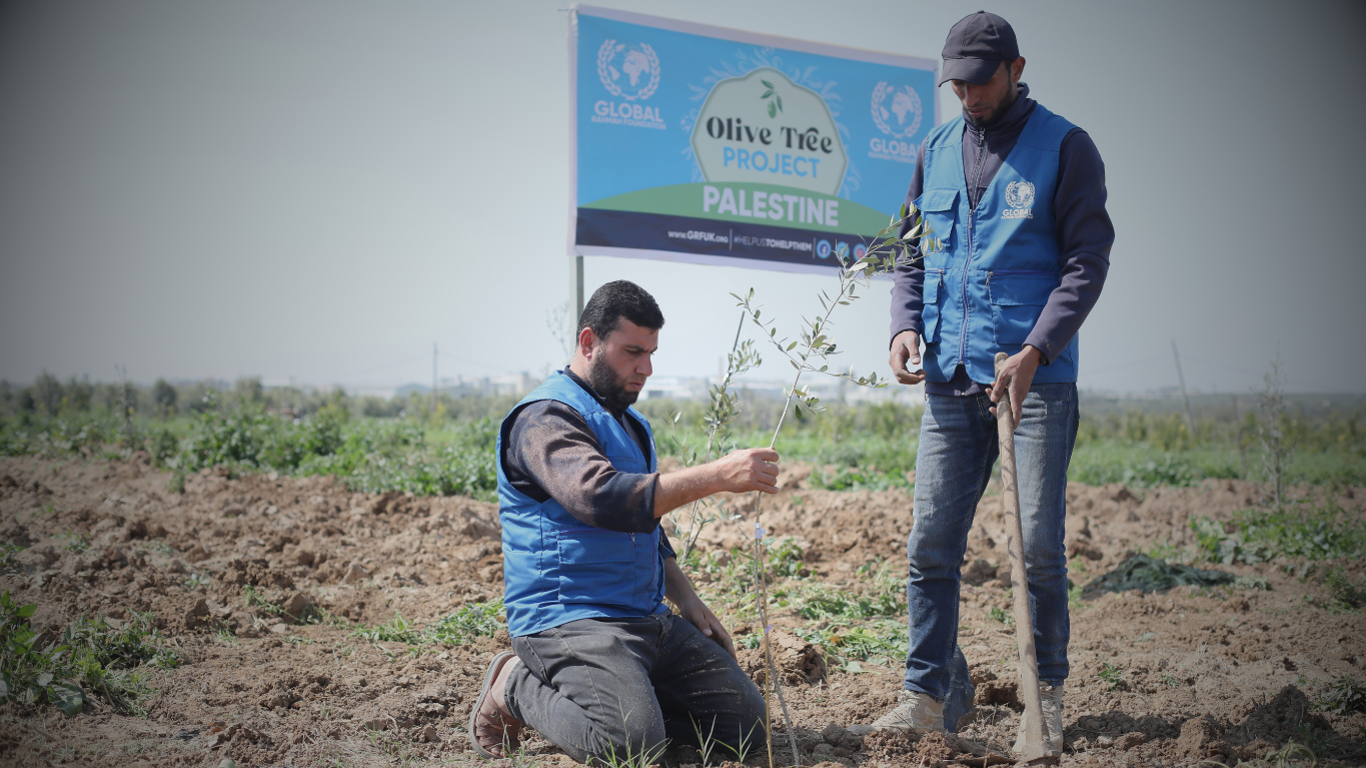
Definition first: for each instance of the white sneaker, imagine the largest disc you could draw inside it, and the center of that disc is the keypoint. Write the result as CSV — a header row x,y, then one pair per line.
x,y
915,713
1051,699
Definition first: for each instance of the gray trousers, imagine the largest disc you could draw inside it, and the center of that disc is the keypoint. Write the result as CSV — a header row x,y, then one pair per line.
x,y
599,688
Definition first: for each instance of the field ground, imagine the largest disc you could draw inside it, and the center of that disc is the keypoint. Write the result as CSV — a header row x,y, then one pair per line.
x,y
392,593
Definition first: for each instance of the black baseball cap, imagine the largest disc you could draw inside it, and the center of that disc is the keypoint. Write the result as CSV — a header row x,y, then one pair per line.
x,y
976,46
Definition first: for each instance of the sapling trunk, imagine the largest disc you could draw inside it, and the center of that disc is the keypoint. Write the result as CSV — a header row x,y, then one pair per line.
x,y
718,418
760,576
882,257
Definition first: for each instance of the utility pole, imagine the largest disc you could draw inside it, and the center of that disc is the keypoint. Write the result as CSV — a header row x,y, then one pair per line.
x,y
576,290
432,411
1190,420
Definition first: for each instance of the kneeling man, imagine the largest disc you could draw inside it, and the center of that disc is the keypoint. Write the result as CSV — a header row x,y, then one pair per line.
x,y
600,667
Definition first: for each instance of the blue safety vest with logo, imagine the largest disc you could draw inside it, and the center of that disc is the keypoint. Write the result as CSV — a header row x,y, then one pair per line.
x,y
558,569
987,284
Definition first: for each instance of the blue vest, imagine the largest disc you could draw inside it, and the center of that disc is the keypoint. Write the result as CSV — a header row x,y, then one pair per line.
x,y
557,569
987,285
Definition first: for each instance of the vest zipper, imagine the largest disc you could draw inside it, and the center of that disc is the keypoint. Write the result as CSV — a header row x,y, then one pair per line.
x,y
972,215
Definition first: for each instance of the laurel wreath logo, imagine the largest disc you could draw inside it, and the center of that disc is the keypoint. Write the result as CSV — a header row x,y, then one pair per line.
x,y
880,93
1020,194
609,51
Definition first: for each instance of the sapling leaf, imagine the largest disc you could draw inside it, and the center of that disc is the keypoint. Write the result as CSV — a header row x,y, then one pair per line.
x,y
25,611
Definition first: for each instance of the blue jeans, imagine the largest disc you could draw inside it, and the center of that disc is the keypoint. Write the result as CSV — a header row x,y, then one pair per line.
x,y
958,446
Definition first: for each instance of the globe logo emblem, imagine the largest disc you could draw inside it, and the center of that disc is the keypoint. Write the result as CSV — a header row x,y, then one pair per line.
x,y
629,72
896,110
1020,194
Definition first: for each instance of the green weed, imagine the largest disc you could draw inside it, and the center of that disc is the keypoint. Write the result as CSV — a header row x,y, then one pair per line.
x,y
254,599
856,479
395,630
1074,596
1344,593
785,558
456,628
859,641
997,613
473,620
1111,675
90,657
745,747
1344,697
9,556
880,592
1257,535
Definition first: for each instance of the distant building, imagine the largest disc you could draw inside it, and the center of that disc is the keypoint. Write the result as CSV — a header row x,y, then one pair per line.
x,y
674,387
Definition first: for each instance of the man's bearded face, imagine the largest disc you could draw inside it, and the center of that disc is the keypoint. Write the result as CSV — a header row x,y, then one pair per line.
x,y
609,386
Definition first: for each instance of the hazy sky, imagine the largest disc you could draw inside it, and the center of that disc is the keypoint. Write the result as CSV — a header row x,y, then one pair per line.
x,y
321,190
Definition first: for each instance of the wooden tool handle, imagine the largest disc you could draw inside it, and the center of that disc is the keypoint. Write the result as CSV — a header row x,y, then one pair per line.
x,y
1034,747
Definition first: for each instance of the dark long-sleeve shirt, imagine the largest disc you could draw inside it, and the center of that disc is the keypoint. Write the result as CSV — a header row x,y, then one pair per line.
x,y
1084,231
551,452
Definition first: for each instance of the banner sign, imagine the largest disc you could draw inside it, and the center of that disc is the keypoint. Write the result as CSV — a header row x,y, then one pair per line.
x,y
703,144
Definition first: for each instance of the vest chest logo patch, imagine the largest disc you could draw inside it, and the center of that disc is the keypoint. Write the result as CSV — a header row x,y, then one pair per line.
x,y
1020,198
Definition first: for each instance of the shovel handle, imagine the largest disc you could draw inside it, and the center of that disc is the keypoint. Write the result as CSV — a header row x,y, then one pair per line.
x,y
1034,746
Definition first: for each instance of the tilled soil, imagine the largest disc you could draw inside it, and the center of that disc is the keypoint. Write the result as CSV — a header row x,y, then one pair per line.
x,y
1213,674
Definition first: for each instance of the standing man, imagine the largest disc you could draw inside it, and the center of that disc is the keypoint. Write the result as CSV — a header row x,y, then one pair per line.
x,y
1015,195
602,668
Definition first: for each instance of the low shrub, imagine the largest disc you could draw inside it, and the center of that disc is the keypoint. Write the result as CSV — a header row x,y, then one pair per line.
x,y
1256,535
455,628
91,657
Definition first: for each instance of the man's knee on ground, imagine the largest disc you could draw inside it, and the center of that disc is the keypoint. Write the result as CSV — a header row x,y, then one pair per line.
x,y
628,743
736,734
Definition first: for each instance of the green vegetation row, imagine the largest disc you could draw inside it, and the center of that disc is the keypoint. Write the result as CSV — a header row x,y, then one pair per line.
x,y
370,455
402,445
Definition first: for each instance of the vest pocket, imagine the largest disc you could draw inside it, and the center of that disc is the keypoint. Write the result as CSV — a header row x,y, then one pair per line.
x,y
929,310
1017,299
939,208
597,566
